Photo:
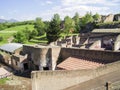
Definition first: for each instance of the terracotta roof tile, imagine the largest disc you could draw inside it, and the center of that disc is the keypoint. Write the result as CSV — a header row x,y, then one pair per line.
x,y
73,63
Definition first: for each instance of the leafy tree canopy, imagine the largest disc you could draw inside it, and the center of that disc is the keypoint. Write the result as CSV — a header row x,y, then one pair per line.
x,y
69,25
77,22
39,26
96,17
87,19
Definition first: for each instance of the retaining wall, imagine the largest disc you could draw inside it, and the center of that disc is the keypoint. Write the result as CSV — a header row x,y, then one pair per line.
x,y
57,80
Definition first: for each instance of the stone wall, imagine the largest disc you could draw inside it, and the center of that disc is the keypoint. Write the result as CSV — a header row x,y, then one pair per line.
x,y
17,62
98,55
117,17
117,43
108,18
96,45
55,52
57,80
43,56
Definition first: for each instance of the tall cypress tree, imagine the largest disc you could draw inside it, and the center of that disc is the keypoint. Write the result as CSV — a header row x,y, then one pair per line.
x,y
53,32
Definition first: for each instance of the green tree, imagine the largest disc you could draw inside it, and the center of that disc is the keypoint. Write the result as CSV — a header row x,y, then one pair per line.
x,y
96,17
86,19
1,38
53,32
69,25
20,37
77,22
39,26
46,25
33,34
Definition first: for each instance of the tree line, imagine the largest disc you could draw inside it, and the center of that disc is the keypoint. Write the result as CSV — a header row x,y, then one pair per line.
x,y
56,26
52,28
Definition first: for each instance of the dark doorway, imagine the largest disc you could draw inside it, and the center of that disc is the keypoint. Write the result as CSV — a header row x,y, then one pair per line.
x,y
45,68
25,66
36,67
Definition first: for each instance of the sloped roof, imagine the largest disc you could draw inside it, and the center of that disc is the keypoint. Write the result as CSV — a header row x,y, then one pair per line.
x,y
3,71
11,47
73,63
106,30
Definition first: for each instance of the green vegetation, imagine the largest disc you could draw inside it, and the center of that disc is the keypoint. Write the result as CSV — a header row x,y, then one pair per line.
x,y
9,32
40,26
38,39
54,31
86,19
96,17
3,80
76,19
24,36
69,25
108,23
9,25
38,31
19,28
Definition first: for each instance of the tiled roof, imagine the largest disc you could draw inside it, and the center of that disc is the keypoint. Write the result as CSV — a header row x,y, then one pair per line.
x,y
73,63
106,30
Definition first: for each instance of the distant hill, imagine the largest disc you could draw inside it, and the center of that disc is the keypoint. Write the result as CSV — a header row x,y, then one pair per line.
x,y
4,20
12,20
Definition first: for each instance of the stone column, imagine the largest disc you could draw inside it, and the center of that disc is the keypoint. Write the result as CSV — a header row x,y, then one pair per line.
x,y
108,86
116,45
40,68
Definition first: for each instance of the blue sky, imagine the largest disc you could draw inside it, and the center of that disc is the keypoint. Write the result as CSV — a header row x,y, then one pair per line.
x,y
30,9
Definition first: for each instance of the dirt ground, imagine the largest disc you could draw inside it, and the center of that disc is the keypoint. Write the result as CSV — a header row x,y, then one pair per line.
x,y
17,83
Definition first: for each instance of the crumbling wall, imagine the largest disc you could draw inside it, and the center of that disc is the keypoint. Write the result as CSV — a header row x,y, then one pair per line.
x,y
108,18
43,56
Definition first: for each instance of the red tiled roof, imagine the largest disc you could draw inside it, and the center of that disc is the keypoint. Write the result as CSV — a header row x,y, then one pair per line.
x,y
73,63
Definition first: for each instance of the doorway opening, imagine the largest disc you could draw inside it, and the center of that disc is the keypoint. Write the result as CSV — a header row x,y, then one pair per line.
x,y
26,66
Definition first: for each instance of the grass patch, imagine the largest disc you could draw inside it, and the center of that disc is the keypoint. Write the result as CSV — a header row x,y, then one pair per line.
x,y
5,37
38,39
64,35
7,33
3,80
19,28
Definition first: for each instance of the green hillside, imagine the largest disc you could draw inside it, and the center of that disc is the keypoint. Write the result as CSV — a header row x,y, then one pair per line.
x,y
19,28
8,33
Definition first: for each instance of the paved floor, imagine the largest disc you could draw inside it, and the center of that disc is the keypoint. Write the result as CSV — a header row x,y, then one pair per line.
x,y
97,82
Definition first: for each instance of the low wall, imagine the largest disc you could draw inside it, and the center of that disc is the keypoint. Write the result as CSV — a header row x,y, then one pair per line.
x,y
97,55
57,80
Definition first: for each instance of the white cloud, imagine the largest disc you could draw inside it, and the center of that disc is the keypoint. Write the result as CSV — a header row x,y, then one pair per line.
x,y
46,3
70,7
2,17
49,2
85,2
